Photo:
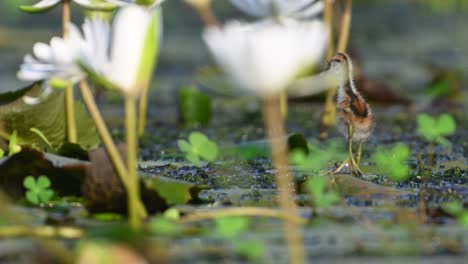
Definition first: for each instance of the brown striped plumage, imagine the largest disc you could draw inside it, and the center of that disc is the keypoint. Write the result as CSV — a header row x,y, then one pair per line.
x,y
354,115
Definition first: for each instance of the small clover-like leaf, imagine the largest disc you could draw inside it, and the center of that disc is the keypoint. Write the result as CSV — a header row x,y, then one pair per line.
x,y
446,125
393,162
197,140
43,182
184,146
194,159
32,197
209,152
198,147
45,195
230,227
29,183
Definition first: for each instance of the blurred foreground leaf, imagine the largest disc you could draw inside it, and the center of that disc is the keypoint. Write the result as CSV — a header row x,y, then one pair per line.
x,y
48,117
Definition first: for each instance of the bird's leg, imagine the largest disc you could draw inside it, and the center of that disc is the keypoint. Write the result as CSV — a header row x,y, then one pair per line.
x,y
358,154
353,165
350,151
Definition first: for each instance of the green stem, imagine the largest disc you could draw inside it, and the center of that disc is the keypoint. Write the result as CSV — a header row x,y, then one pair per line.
x,y
133,191
274,126
69,96
142,111
106,138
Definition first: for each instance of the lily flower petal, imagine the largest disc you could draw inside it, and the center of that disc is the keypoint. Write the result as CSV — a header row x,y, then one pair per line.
x,y
263,58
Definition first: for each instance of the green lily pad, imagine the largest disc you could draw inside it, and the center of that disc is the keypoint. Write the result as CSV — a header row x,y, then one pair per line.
x,y
48,117
176,192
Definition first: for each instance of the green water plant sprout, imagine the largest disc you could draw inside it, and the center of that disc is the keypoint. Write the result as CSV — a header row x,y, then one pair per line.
x,y
198,147
455,208
38,190
394,162
435,129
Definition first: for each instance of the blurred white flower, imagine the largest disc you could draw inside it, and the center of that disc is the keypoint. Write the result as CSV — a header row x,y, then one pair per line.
x,y
45,5
150,3
300,9
55,61
263,58
126,60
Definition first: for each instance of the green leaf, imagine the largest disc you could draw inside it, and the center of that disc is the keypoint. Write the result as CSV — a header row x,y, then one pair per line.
x,y
162,226
230,227
39,7
198,140
2,153
426,127
446,125
46,195
209,152
454,208
13,146
298,142
393,162
463,219
250,249
43,182
194,159
29,183
194,106
41,135
32,197
175,192
48,117
172,214
184,146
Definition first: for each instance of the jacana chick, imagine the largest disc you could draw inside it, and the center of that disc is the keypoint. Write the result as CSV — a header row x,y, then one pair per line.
x,y
354,116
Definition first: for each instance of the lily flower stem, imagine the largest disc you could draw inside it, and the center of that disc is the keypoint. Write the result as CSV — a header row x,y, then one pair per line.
x,y
69,96
284,104
133,192
109,144
274,125
205,13
328,117
142,111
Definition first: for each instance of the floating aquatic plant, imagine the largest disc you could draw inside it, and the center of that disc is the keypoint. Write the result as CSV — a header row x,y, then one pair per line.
x,y
38,190
198,147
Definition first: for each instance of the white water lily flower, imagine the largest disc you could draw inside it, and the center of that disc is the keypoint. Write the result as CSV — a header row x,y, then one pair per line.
x,y
263,58
45,5
149,3
55,61
300,9
125,61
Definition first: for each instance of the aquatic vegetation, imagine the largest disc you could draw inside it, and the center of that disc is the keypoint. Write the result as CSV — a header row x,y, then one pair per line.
x,y
455,208
198,147
13,146
393,162
38,190
435,129
261,188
